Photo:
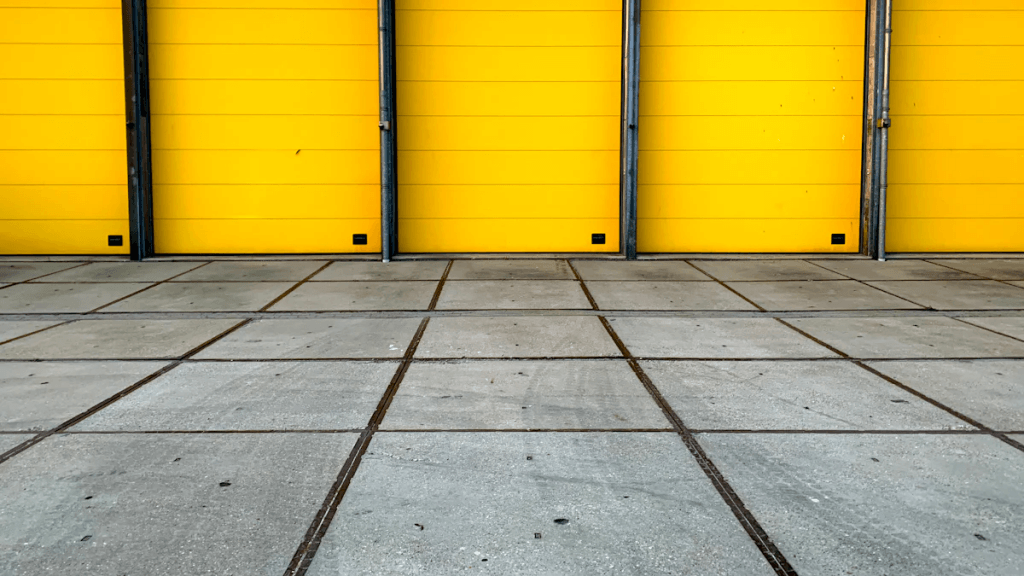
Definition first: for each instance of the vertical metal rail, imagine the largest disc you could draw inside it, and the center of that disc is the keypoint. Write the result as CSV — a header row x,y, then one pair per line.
x,y
388,140
868,229
883,126
629,144
136,97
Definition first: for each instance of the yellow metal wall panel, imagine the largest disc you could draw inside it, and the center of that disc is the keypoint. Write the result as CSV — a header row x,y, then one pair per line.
x,y
51,236
752,133
565,133
701,63
262,62
739,235
510,235
265,136
697,201
234,235
754,28
63,97
263,201
62,61
944,98
509,201
35,26
263,26
745,98
286,97
42,202
956,162
950,201
750,126
508,127
511,99
62,134
266,132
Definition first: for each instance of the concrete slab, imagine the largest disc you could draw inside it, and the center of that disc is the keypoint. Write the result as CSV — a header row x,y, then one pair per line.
x,y
958,294
909,338
252,396
714,338
995,268
564,394
14,328
57,298
668,271
164,503
122,272
125,339
631,504
512,295
665,296
22,271
314,296
791,396
203,297
990,391
743,270
416,270
8,441
39,396
1011,326
822,295
881,505
511,270
253,271
893,270
326,338
516,337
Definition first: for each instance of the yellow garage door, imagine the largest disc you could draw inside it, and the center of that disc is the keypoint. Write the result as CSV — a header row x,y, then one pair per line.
x,y
63,167
956,158
508,126
751,125
265,135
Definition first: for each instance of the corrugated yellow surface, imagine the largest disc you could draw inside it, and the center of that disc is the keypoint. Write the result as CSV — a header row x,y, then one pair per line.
x,y
265,136
62,134
750,125
508,127
956,157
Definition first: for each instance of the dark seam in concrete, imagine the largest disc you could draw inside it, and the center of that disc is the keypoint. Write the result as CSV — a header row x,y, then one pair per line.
x,y
151,286
310,543
764,543
440,286
583,285
988,329
931,261
41,275
294,287
915,392
727,287
59,323
126,391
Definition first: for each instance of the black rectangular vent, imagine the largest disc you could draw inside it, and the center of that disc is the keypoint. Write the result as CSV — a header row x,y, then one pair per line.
x,y
359,239
115,240
839,238
597,238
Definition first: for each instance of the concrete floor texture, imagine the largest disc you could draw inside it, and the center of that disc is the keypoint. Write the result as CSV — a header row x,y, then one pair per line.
x,y
512,416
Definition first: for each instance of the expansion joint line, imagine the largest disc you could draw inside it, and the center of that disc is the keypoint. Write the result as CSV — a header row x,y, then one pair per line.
x,y
764,543
307,549
96,408
949,410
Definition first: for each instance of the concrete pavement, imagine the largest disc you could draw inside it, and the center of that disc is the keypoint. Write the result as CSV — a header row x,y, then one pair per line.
x,y
811,416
